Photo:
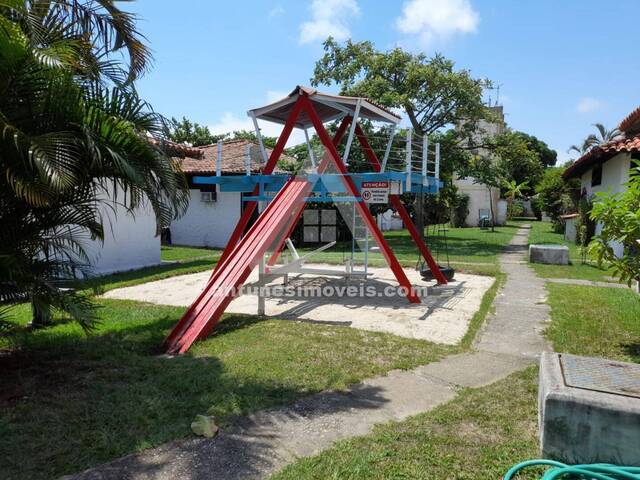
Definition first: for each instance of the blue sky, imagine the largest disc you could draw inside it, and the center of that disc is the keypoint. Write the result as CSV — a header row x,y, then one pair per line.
x,y
561,65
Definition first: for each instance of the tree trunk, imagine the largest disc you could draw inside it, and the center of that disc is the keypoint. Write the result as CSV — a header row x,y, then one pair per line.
x,y
493,217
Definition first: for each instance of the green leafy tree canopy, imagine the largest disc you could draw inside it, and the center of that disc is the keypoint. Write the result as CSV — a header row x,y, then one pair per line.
x,y
431,91
186,131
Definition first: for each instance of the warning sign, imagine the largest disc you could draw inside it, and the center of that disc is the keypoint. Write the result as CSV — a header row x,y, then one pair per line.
x,y
375,192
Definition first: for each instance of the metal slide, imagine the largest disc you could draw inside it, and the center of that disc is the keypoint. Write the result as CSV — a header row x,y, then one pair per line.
x,y
230,275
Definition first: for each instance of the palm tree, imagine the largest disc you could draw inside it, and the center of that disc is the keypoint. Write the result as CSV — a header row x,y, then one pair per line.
x,y
602,136
513,190
72,131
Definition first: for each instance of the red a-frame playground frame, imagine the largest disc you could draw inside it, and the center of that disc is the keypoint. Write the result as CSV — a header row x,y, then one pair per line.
x,y
275,224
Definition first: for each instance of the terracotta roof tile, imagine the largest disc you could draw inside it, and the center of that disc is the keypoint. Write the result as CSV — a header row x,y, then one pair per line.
x,y
630,121
203,160
601,153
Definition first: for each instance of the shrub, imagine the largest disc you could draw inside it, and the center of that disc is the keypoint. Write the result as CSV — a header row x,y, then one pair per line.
x,y
619,214
557,196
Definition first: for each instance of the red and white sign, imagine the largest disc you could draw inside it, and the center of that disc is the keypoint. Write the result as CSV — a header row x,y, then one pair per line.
x,y
375,192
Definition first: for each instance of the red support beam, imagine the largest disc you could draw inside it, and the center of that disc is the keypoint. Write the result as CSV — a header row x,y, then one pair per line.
x,y
402,211
249,207
362,207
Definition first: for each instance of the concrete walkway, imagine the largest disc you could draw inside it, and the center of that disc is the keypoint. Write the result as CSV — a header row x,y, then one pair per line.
x,y
260,444
586,283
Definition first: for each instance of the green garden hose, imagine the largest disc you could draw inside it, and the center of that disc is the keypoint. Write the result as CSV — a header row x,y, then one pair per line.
x,y
561,471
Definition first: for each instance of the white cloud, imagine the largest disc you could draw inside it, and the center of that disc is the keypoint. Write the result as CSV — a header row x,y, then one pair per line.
x,y
437,20
329,18
588,105
276,11
230,122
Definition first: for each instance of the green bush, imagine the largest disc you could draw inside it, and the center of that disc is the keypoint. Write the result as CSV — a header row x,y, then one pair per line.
x,y
619,214
557,196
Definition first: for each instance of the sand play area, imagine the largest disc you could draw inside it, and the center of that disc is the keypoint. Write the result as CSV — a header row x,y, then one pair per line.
x,y
371,304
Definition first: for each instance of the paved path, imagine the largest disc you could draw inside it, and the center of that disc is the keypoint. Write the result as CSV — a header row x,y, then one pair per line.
x,y
586,283
260,444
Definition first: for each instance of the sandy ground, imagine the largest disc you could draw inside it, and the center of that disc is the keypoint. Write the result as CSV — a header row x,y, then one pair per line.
x,y
442,317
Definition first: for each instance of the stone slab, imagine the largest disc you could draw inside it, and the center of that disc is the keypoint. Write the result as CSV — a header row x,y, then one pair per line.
x,y
583,425
549,254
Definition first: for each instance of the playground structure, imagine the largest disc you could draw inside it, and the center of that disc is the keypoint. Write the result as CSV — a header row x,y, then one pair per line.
x,y
284,198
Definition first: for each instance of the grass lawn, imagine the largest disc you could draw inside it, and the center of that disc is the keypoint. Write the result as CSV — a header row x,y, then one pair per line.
x,y
176,253
179,261
471,249
599,322
71,401
542,233
480,435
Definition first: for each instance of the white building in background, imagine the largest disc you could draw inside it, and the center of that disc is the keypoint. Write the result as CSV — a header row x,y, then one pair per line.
x,y
605,168
480,201
212,215
130,239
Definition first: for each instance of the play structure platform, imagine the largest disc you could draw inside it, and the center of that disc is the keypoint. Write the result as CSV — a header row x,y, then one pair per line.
x,y
326,179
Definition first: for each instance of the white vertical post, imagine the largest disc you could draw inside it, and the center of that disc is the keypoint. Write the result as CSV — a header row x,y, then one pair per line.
x,y
437,173
425,159
219,159
310,150
408,159
388,150
256,127
247,159
261,289
352,130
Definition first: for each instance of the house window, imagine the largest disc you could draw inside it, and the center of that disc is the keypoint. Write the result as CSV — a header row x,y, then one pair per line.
x,y
207,193
596,175
208,197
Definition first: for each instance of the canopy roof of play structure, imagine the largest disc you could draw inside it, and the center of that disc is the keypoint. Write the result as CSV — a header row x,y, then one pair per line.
x,y
327,106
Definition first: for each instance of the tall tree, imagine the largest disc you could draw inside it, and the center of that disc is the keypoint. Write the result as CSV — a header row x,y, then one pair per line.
x,y
431,91
186,131
546,155
517,160
72,132
486,171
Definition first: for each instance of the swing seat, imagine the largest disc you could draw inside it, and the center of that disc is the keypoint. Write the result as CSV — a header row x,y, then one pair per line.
x,y
427,274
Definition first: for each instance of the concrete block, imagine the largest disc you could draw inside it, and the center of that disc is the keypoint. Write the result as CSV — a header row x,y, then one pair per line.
x,y
589,410
549,254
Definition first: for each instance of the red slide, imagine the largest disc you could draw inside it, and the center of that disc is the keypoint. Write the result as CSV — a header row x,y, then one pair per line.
x,y
223,286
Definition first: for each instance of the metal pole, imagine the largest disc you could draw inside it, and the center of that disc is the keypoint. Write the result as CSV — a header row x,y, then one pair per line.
x,y
261,282
265,157
310,150
437,173
425,159
408,159
388,150
247,159
354,122
219,159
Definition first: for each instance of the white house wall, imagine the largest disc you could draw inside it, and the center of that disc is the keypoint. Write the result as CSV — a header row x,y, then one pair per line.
x,y
478,199
615,173
130,240
207,224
